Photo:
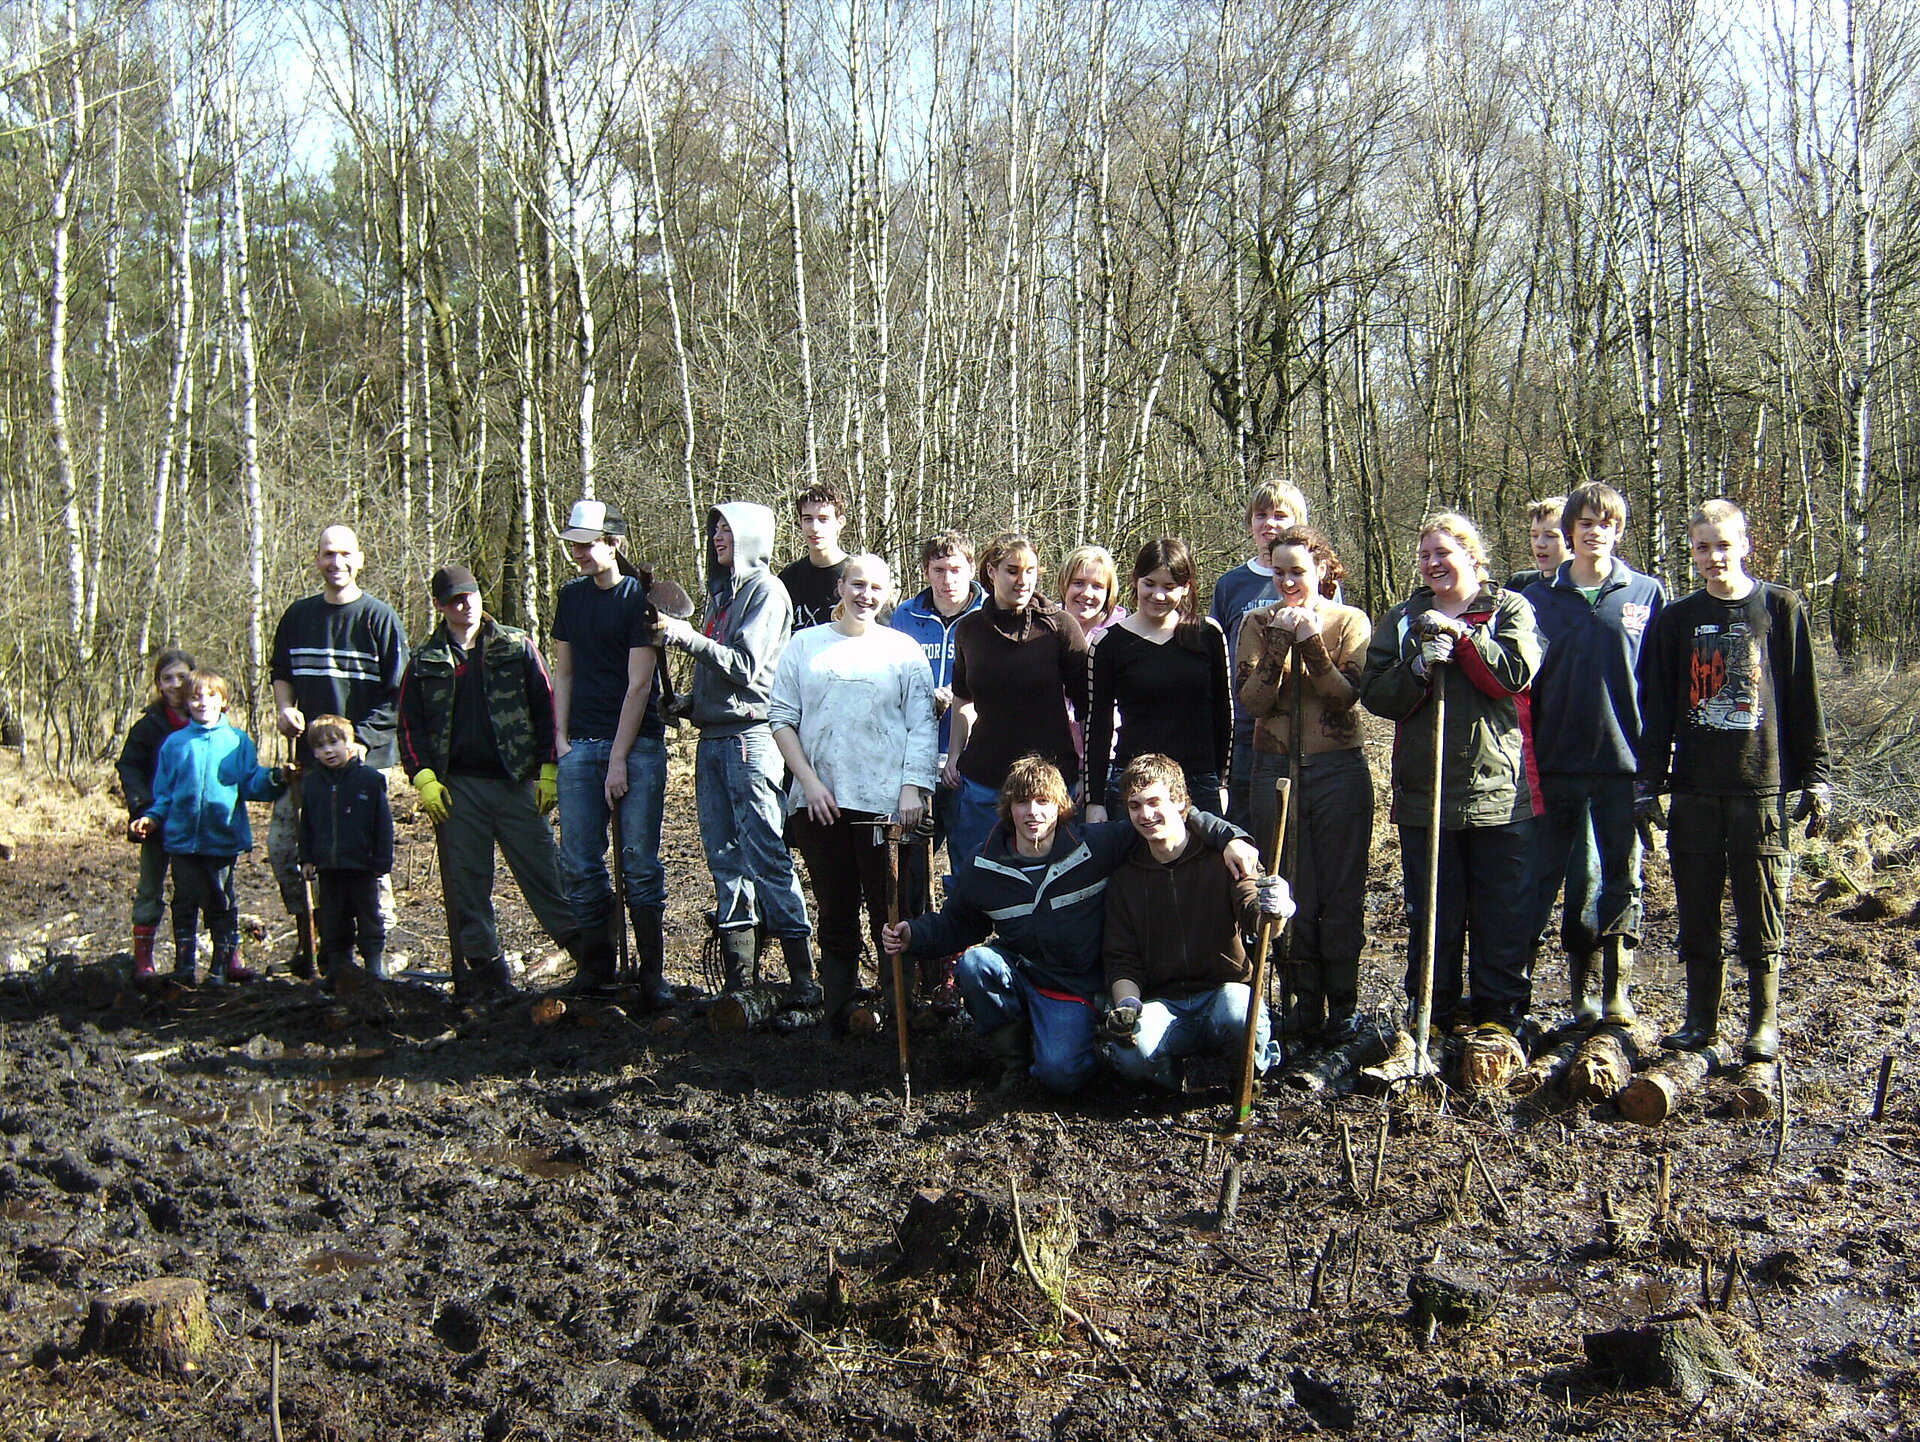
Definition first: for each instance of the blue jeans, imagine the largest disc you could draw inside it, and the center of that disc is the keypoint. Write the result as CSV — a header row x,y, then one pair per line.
x,y
1170,1027
1606,900
997,994
585,818
971,817
736,786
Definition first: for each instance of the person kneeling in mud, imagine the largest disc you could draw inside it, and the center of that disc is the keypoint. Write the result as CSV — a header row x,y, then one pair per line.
x,y
1177,968
1036,888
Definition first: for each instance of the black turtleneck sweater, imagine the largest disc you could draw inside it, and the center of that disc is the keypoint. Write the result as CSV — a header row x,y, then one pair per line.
x,y
1018,668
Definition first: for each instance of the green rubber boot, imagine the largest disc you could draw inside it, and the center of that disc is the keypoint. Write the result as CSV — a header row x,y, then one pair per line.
x,y
1617,972
1706,984
1763,1010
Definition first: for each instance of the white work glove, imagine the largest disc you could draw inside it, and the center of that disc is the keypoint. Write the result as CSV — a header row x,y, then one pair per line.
x,y
1275,896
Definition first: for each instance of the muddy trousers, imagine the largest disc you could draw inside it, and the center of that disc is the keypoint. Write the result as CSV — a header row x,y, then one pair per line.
x,y
1214,1020
1483,894
346,913
1729,846
490,810
1064,1028
1587,822
203,886
150,891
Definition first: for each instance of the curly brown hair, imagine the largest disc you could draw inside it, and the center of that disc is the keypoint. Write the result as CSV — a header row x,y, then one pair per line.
x,y
1332,572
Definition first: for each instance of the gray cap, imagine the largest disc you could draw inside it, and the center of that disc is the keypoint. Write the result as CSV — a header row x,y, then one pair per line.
x,y
590,520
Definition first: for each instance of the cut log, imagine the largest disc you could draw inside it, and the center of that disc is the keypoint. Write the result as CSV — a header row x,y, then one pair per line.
x,y
1402,1064
161,1325
1650,1098
1331,1070
548,1010
1491,1059
1756,1091
1607,1059
1683,1355
1546,1070
742,1011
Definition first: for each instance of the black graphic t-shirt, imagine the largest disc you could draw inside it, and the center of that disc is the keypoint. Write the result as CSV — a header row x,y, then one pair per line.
x,y
815,590
1730,703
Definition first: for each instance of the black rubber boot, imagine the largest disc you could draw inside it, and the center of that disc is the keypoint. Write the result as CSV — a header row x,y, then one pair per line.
x,y
1617,975
1706,983
376,966
301,963
840,977
1306,1010
593,964
1340,981
186,961
802,989
739,950
650,950
464,989
1763,1010
493,978
1582,972
1013,1049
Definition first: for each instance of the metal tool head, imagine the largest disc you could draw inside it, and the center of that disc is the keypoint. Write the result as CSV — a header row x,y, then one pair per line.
x,y
670,598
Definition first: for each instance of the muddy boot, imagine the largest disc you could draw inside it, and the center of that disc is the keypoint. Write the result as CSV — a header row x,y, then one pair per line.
x,y
1706,982
1763,1010
376,966
739,950
301,964
1012,1048
493,979
186,962
228,969
1617,973
840,977
802,990
1340,981
143,937
1582,972
650,951
593,964
1306,1010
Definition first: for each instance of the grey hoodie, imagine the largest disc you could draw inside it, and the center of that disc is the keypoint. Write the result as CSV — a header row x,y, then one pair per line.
x,y
748,619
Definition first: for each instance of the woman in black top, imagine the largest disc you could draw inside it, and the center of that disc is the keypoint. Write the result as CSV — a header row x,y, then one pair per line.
x,y
1165,669
172,675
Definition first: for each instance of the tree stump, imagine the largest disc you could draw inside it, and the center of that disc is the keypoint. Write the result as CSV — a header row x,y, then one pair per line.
x,y
742,1011
1606,1060
1651,1097
547,1010
161,1325
1446,1294
1680,1354
952,1231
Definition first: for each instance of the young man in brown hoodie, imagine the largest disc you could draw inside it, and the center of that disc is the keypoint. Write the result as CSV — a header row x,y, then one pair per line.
x,y
1177,971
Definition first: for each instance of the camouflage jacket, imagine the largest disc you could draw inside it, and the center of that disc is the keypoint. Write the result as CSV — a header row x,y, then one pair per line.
x,y
519,700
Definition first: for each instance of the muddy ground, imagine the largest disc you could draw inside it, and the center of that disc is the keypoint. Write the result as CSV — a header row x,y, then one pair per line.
x,y
462,1226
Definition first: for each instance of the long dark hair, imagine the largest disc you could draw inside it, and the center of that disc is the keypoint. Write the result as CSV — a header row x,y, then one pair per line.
x,y
1174,556
172,656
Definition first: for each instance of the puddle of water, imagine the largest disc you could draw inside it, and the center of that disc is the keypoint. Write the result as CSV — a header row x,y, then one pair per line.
x,y
189,1116
19,1211
531,1160
329,1260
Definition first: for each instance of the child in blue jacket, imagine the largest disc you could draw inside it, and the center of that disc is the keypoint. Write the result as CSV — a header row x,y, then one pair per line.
x,y
206,774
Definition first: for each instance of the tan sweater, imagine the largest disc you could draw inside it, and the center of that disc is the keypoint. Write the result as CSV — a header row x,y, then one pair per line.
x,y
1263,676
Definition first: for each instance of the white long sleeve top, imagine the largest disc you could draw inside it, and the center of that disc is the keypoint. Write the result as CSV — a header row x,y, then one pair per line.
x,y
862,707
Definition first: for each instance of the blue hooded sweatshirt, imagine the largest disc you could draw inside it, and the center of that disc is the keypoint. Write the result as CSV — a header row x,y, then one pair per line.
x,y
202,783
921,619
1586,705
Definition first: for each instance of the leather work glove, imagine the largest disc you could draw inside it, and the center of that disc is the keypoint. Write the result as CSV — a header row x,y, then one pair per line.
x,y
435,799
1276,897
546,791
1436,649
1121,1023
1816,805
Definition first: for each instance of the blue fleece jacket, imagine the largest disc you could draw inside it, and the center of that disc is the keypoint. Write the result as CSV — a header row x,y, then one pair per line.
x,y
1586,705
202,783
921,619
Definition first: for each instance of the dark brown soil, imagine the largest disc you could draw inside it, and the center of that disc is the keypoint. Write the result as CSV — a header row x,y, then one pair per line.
x,y
474,1226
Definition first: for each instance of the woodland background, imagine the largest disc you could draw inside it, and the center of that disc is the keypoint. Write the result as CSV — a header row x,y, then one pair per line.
x,y
438,266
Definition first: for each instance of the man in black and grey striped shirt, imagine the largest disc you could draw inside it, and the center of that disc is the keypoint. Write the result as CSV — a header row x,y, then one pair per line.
x,y
341,653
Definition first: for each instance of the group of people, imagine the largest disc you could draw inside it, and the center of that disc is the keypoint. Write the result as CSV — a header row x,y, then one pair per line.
x,y
835,717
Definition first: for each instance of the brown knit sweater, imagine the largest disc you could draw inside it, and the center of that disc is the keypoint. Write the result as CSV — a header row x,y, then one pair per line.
x,y
1263,675
1174,928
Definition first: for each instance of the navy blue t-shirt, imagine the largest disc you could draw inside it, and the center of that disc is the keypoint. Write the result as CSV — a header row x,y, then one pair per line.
x,y
602,626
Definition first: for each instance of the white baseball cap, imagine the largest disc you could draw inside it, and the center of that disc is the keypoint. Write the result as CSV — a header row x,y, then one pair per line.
x,y
590,520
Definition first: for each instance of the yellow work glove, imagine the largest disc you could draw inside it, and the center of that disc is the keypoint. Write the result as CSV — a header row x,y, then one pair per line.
x,y
546,791
434,797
